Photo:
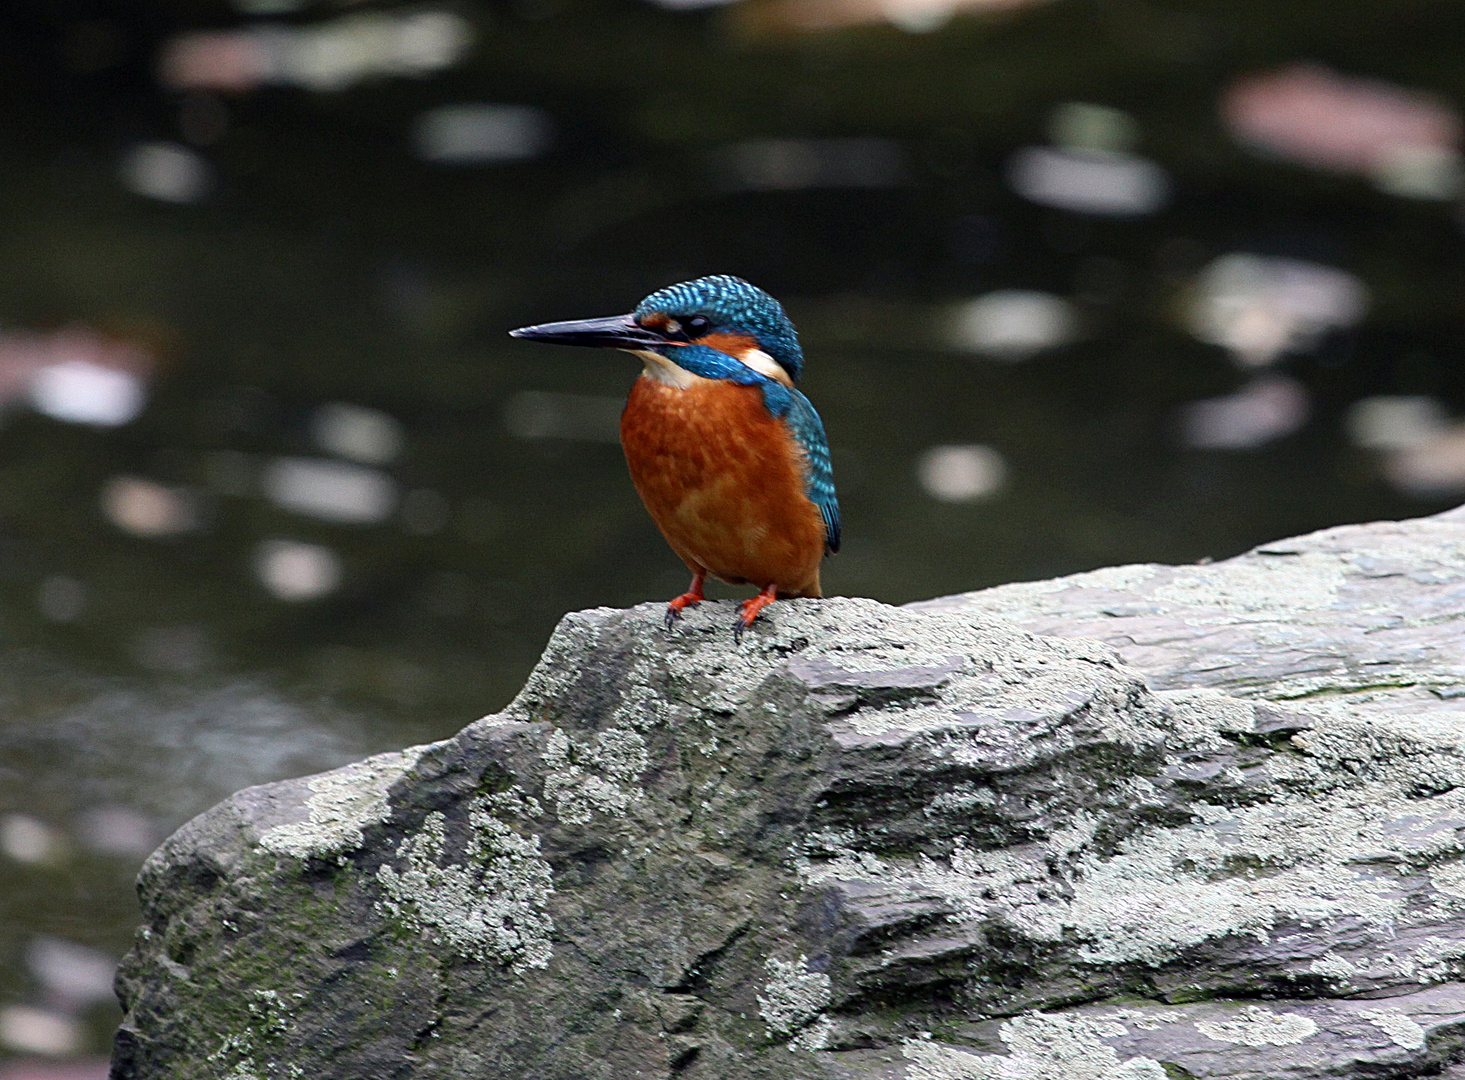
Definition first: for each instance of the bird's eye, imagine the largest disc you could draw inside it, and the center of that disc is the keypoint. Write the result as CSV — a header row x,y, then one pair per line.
x,y
694,326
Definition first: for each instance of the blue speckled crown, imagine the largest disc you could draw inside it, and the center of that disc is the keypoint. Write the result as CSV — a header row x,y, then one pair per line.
x,y
733,304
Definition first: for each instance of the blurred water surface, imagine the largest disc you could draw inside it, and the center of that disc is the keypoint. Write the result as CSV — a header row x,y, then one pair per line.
x,y
1080,283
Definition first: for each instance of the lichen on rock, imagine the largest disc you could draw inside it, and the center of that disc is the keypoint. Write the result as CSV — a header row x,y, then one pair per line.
x,y
491,905
341,804
794,995
1042,1047
1259,1027
598,777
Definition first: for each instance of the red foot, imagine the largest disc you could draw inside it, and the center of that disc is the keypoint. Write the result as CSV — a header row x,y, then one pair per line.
x,y
748,610
692,596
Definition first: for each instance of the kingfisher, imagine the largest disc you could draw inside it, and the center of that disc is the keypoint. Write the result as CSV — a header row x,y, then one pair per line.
x,y
729,458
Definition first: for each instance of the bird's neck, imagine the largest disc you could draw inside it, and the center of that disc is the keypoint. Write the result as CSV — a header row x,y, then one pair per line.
x,y
723,358
659,369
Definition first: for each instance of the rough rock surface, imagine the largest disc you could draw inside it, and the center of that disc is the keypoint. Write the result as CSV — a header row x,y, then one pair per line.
x,y
1224,839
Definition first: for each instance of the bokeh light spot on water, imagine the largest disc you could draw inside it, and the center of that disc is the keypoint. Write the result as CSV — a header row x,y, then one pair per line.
x,y
912,16
1116,184
1433,468
29,363
1395,422
368,436
1013,324
87,393
28,840
326,57
1086,127
76,375
167,172
1405,140
481,134
332,491
72,975
61,598
961,473
1267,408
145,508
1260,307
31,1030
296,571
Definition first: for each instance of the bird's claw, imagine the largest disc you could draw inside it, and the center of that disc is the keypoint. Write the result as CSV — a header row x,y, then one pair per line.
x,y
749,610
691,598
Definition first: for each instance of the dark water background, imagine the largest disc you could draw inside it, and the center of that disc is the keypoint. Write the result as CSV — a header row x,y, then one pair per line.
x,y
143,677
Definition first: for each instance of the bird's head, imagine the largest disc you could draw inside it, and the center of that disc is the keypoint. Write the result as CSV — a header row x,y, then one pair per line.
x,y
719,312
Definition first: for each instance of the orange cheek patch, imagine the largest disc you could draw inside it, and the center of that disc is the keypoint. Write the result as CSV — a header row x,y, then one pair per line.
x,y
735,345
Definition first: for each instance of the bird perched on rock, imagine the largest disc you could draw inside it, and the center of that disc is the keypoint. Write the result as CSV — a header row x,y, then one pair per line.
x,y
729,457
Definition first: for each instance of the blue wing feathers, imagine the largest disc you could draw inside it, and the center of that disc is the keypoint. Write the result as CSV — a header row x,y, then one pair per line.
x,y
808,431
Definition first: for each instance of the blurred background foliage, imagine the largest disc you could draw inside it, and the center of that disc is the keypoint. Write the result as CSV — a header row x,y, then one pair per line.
x,y
1081,282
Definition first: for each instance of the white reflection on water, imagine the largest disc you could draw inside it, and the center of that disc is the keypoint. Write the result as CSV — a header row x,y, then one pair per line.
x,y
961,473
82,391
1111,184
167,172
357,433
1261,306
29,1030
328,56
481,134
331,490
296,571
1394,422
27,840
1432,469
1405,140
1012,324
73,975
1264,410
146,508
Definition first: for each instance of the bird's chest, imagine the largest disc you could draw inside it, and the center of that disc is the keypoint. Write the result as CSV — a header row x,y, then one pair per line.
x,y
702,444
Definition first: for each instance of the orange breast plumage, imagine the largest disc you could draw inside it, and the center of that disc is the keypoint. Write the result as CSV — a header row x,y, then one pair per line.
x,y
725,483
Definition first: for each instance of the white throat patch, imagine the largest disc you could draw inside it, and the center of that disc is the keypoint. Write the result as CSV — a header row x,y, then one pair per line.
x,y
655,366
764,364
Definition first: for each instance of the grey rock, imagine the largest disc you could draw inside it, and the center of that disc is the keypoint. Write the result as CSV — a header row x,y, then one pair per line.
x,y
1210,824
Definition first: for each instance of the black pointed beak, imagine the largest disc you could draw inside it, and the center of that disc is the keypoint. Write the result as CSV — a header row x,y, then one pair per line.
x,y
612,332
